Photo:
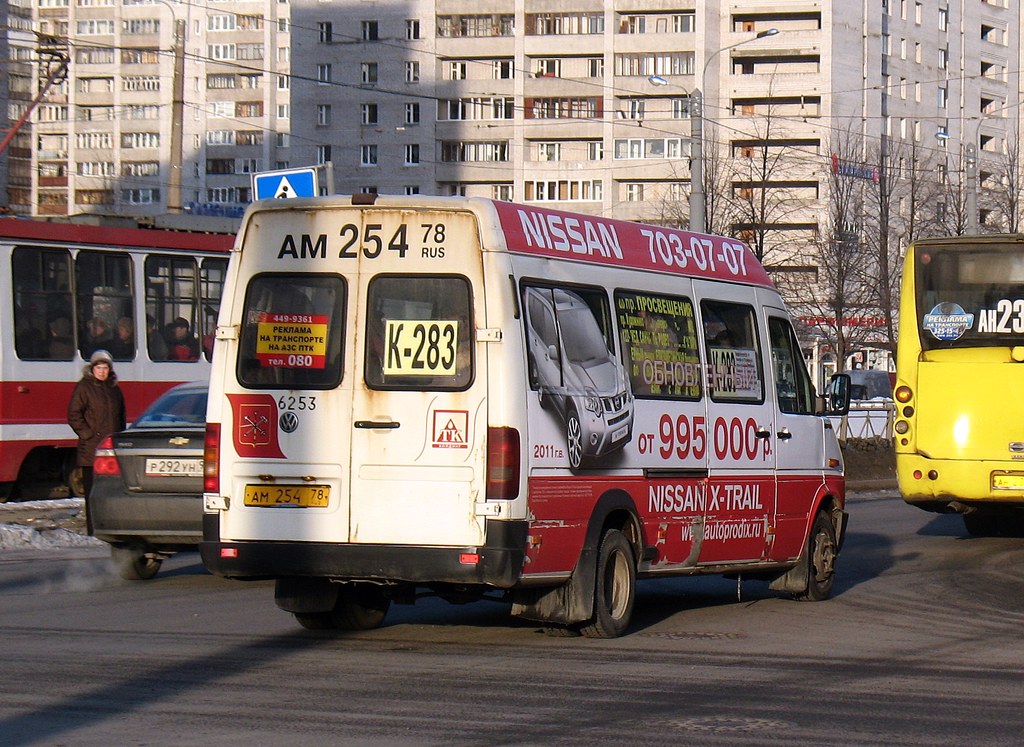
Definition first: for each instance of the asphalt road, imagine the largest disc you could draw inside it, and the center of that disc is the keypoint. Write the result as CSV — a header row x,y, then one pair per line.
x,y
921,645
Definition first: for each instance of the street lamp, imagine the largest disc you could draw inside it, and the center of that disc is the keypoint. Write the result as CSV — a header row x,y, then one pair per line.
x,y
969,151
698,203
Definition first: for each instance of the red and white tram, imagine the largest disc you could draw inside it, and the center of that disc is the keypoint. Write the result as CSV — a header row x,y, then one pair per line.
x,y
149,296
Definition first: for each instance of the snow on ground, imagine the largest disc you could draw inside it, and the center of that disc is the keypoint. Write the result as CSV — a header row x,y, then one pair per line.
x,y
14,536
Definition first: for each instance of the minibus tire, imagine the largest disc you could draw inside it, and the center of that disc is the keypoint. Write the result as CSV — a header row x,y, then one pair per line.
x,y
361,607
133,564
821,559
615,589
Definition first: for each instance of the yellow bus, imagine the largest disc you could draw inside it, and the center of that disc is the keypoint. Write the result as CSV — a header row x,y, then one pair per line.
x,y
959,429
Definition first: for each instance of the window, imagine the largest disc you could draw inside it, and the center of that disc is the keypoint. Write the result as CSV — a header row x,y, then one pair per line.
x,y
634,192
412,114
220,51
410,189
140,196
104,300
734,371
268,297
502,192
325,29
549,68
369,30
284,111
561,190
793,387
456,70
412,72
549,151
502,69
43,315
220,81
595,150
368,72
367,155
684,23
323,115
661,356
323,154
412,154
412,29
368,114
396,306
943,19
595,67
943,97
324,72
172,286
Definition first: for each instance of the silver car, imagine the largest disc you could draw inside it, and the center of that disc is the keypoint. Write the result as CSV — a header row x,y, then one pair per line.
x,y
147,494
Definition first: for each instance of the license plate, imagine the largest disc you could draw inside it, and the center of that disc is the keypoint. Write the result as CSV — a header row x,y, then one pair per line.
x,y
619,433
1013,481
315,496
174,467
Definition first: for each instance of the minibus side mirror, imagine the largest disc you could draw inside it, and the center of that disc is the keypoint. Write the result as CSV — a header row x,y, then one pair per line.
x,y
837,396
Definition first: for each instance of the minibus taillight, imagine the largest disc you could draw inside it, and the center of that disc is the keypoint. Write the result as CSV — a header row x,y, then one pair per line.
x,y
502,463
106,461
211,459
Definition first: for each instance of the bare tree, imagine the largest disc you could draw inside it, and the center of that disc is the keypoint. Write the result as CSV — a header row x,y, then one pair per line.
x,y
763,193
1007,182
836,302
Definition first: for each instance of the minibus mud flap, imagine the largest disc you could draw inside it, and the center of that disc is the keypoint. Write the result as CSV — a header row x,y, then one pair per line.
x,y
573,601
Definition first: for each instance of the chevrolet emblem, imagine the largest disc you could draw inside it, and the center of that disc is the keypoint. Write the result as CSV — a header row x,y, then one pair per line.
x,y
178,441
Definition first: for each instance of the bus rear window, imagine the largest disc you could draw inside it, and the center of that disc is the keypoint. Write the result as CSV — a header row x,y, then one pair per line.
x,y
419,333
292,332
970,298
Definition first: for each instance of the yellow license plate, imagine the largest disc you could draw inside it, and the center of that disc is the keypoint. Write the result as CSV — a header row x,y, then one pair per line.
x,y
1013,481
307,496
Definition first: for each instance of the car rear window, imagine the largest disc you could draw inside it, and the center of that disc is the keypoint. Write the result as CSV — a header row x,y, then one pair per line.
x,y
186,407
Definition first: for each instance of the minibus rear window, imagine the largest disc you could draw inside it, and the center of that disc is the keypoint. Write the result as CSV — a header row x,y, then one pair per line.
x,y
419,333
292,332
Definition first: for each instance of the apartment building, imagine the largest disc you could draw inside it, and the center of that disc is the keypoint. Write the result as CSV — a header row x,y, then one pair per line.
x,y
589,105
167,106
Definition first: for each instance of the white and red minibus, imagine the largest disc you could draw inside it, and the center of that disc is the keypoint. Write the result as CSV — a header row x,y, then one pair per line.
x,y
472,397
69,289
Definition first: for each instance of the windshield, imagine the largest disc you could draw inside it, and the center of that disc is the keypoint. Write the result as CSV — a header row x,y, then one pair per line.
x,y
970,297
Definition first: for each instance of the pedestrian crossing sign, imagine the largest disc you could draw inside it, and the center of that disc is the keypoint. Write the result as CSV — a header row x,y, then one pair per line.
x,y
284,184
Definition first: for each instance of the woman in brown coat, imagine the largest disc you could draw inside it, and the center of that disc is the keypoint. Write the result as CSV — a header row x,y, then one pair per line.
x,y
96,410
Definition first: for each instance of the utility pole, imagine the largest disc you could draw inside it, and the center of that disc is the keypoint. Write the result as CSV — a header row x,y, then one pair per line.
x,y
971,185
177,118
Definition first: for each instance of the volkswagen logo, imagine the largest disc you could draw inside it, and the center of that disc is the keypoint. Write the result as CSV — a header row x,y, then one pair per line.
x,y
289,422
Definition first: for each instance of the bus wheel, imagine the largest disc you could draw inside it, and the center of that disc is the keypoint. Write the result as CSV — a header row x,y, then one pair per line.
x,y
134,563
821,559
573,437
616,588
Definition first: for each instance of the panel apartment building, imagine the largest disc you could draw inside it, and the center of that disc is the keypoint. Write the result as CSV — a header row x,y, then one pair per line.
x,y
587,105
166,106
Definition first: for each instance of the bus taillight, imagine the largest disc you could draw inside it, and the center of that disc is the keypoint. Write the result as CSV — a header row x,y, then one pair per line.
x,y
903,393
106,460
211,459
502,463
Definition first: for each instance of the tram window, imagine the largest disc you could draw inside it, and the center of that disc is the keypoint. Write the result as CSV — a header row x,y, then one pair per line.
x,y
43,328
211,287
105,303
171,308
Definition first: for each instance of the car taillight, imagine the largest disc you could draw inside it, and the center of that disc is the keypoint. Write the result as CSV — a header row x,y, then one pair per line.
x,y
211,459
106,461
502,463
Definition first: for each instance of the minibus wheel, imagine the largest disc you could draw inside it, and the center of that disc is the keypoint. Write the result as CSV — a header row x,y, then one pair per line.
x,y
616,588
359,607
822,549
